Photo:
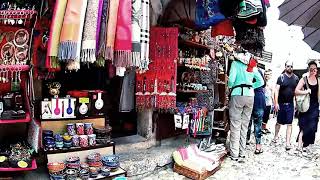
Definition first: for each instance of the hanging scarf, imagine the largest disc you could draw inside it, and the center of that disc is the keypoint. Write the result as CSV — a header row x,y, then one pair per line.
x,y
136,30
112,26
208,13
145,35
123,41
71,33
88,48
103,30
55,29
101,2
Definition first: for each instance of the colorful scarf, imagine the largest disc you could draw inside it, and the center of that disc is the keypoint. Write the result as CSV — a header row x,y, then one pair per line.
x,y
88,48
145,35
136,30
71,33
55,29
112,26
103,30
123,41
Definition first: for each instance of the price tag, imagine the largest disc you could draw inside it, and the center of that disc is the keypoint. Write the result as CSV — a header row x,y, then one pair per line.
x,y
84,100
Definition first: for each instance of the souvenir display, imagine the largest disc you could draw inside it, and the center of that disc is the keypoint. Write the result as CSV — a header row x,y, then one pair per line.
x,y
78,135
96,164
156,89
58,108
17,155
12,106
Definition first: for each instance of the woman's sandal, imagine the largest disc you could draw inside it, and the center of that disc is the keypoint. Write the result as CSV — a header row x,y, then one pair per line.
x,y
258,151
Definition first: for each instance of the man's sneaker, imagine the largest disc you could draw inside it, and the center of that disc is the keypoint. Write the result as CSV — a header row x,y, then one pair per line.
x,y
234,158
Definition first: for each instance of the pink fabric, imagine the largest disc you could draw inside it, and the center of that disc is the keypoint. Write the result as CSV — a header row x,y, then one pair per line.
x,y
184,153
123,32
196,151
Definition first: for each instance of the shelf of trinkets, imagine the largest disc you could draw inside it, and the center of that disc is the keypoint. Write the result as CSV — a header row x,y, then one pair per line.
x,y
93,166
16,157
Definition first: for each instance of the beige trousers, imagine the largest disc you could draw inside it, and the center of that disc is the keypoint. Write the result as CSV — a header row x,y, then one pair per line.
x,y
240,109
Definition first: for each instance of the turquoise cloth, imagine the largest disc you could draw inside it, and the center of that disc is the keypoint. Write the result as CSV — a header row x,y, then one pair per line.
x,y
239,75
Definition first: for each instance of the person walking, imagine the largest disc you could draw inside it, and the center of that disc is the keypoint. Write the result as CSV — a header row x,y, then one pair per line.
x,y
257,115
241,103
268,92
308,121
284,102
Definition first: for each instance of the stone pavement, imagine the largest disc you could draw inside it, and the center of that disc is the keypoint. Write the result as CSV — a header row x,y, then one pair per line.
x,y
274,163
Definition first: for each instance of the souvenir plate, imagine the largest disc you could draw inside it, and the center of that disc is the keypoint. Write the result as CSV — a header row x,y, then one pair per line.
x,y
21,37
7,51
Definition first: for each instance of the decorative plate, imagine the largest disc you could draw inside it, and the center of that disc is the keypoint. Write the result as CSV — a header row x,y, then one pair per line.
x,y
21,37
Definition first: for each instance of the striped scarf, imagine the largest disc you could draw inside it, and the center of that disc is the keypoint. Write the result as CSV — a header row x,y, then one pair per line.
x,y
145,35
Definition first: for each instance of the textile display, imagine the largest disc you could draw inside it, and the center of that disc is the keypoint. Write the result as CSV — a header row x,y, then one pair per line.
x,y
222,28
71,33
136,32
55,29
145,35
123,40
208,13
103,30
127,92
111,30
156,88
88,47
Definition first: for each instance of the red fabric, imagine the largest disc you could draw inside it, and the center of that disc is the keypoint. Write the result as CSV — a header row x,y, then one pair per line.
x,y
251,65
162,71
223,28
253,21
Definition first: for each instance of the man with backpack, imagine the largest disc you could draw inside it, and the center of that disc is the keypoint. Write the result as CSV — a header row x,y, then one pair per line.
x,y
284,101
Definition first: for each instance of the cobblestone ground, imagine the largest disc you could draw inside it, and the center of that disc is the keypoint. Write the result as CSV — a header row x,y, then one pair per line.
x,y
274,163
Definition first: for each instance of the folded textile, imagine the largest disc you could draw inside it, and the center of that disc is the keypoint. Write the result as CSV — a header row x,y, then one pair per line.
x,y
145,35
223,28
71,33
136,32
111,30
123,41
55,29
88,48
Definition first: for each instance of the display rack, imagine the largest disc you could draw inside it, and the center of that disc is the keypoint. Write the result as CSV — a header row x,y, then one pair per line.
x,y
18,20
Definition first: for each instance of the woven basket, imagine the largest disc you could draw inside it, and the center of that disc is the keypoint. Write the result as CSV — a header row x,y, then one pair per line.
x,y
192,174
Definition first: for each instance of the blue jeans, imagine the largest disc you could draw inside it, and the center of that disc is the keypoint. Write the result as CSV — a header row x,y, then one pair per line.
x,y
257,118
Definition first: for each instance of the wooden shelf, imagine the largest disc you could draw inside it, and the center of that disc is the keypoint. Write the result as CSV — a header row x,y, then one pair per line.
x,y
15,67
74,149
221,109
33,167
119,172
192,91
76,118
217,128
14,121
193,44
220,82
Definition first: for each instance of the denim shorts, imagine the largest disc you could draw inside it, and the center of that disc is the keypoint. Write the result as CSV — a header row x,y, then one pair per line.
x,y
285,113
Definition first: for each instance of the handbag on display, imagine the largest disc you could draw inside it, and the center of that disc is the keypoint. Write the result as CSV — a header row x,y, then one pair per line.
x,y
303,101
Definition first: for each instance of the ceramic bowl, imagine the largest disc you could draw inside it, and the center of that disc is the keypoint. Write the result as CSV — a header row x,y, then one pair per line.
x,y
73,159
110,159
105,171
47,133
56,167
67,138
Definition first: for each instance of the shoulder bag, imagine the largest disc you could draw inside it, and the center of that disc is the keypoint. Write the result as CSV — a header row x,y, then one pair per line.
x,y
303,101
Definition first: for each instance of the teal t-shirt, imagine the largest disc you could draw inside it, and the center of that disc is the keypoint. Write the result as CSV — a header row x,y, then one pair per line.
x,y
239,75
